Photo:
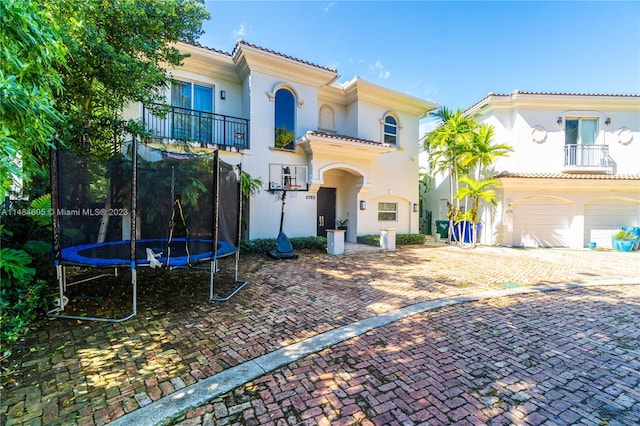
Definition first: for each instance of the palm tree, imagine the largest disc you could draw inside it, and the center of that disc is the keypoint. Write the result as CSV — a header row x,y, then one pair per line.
x,y
477,190
483,151
447,146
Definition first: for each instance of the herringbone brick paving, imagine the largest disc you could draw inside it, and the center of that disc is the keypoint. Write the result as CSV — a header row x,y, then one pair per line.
x,y
563,358
70,372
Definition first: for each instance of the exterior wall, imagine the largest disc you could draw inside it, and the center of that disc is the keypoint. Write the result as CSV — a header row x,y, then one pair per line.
x,y
250,76
517,120
547,156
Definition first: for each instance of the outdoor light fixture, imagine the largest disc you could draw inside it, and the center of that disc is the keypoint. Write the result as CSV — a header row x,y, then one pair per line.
x,y
363,205
415,207
223,94
607,122
559,121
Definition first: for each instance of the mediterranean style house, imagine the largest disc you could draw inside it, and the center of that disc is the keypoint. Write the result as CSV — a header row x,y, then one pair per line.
x,y
574,176
344,152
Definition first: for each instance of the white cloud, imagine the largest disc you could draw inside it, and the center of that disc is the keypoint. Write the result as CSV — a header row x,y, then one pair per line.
x,y
329,6
242,31
379,68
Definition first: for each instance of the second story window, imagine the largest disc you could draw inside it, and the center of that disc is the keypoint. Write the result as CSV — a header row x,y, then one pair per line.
x,y
284,119
192,113
580,144
390,130
580,131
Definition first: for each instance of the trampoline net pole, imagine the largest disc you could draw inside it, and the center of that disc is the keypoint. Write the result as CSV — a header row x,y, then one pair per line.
x,y
62,284
211,272
134,212
134,288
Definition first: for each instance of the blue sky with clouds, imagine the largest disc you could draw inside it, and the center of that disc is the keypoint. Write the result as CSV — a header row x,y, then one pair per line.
x,y
452,53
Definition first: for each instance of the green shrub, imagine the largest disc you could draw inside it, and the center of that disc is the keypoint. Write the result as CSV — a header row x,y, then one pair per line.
x,y
370,240
309,243
262,245
25,266
401,239
409,239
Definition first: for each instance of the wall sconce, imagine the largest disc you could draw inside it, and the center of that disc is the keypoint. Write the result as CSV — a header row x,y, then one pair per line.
x,y
415,207
223,94
607,122
559,121
363,205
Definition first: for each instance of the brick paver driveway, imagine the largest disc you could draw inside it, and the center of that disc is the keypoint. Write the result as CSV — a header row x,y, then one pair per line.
x,y
559,358
73,372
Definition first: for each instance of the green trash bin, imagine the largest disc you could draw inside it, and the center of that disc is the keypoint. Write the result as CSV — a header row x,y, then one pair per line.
x,y
442,228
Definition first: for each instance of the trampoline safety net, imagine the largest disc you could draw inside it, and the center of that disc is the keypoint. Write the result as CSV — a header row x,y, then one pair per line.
x,y
144,206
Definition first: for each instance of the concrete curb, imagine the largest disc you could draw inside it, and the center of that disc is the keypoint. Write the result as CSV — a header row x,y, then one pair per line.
x,y
166,408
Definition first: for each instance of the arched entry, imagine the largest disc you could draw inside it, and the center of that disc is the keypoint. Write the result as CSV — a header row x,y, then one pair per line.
x,y
338,191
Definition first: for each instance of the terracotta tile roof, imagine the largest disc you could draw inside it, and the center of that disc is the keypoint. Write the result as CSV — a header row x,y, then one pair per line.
x,y
244,43
211,49
342,137
520,92
593,176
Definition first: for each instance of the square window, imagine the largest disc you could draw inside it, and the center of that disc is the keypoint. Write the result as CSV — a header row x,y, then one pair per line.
x,y
387,211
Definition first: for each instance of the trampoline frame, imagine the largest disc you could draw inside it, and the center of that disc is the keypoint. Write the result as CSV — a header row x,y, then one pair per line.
x,y
60,263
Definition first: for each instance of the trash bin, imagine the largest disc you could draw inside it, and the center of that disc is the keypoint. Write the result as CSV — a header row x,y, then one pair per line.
x,y
442,228
467,228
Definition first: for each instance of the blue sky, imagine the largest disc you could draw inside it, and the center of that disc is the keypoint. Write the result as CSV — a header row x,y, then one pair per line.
x,y
451,53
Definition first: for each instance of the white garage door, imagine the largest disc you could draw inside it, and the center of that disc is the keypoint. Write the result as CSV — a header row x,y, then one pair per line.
x,y
604,218
541,222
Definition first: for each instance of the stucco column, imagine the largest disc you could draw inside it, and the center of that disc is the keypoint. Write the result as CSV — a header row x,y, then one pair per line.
x,y
335,241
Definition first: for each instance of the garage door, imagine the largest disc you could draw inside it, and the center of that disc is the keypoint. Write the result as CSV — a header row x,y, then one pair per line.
x,y
541,222
604,218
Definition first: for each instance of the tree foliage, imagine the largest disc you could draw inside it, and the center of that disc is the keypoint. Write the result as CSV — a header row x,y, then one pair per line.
x,y
31,54
68,68
118,54
462,149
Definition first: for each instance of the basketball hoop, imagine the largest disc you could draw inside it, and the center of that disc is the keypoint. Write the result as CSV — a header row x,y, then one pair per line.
x,y
292,187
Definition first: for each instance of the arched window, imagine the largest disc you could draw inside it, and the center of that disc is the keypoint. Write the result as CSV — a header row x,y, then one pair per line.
x,y
284,119
390,130
327,119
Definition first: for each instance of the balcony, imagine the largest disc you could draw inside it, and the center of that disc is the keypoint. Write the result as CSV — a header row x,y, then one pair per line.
x,y
587,159
204,128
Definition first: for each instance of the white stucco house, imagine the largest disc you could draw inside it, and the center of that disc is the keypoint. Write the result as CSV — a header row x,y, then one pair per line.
x,y
574,175
343,150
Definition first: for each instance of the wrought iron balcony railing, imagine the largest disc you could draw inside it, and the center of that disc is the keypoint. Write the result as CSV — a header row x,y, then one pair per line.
x,y
586,156
206,128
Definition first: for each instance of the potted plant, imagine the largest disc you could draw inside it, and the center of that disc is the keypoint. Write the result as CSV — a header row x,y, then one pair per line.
x,y
623,240
342,224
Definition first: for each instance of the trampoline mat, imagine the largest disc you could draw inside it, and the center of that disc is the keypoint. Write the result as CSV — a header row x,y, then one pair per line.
x,y
180,252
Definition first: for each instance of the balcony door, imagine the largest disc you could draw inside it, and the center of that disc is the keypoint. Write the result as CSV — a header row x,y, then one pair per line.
x,y
193,108
580,137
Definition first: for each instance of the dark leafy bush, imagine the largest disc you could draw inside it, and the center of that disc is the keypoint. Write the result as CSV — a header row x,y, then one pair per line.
x,y
409,239
25,266
370,240
309,243
401,239
261,245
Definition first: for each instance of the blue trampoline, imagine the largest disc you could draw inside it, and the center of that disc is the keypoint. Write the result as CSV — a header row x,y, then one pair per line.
x,y
143,207
177,253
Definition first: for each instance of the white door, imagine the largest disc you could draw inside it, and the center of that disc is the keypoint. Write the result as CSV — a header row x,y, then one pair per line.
x,y
541,222
603,218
